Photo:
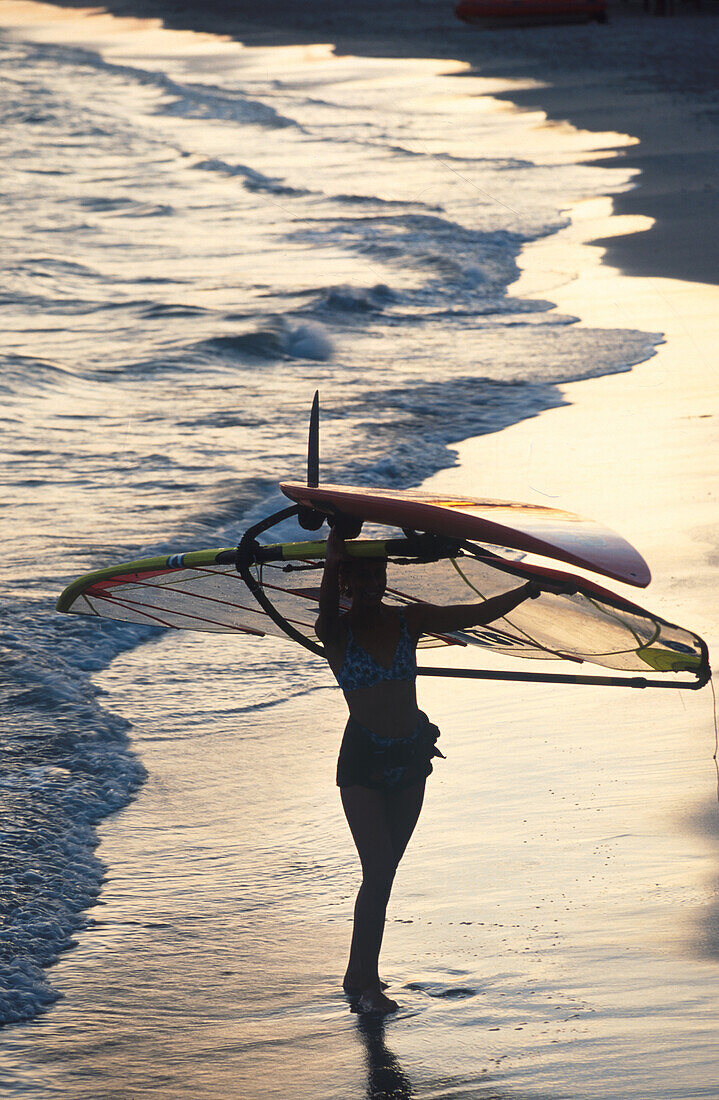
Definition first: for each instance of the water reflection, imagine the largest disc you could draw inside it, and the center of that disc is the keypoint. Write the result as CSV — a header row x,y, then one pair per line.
x,y
386,1080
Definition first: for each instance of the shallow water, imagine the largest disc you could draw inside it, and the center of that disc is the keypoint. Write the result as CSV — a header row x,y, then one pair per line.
x,y
199,235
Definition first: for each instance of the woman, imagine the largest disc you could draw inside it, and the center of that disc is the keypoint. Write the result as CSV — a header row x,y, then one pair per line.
x,y
388,742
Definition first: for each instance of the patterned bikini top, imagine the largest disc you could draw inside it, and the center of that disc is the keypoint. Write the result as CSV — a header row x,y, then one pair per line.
x,y
359,668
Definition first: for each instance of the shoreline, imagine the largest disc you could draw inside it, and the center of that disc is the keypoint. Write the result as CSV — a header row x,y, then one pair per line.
x,y
636,450
646,439
647,76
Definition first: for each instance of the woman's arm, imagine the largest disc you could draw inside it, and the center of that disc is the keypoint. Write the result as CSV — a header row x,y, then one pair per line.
x,y
327,624
433,619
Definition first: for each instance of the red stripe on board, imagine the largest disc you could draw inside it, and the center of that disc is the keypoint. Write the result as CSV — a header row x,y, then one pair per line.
x,y
128,578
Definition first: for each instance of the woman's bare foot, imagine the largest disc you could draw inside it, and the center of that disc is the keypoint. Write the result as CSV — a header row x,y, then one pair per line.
x,y
353,987
374,1002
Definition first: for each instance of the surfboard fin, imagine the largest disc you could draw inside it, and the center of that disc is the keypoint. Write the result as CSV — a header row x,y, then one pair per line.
x,y
313,443
308,518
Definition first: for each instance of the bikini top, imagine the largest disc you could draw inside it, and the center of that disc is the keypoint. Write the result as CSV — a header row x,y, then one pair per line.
x,y
360,669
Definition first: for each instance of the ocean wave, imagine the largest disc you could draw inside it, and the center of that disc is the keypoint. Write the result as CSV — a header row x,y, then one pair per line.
x,y
65,763
185,99
252,180
439,247
23,373
376,200
279,339
129,208
351,299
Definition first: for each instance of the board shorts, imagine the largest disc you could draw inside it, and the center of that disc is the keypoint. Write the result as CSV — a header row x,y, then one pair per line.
x,y
387,763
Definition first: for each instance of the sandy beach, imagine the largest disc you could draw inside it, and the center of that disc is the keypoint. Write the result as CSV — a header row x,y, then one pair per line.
x,y
555,929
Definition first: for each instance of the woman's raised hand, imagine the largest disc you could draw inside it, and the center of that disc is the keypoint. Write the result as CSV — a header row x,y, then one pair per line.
x,y
335,548
553,587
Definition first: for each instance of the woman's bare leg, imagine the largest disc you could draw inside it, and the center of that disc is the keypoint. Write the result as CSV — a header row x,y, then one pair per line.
x,y
381,824
403,810
366,813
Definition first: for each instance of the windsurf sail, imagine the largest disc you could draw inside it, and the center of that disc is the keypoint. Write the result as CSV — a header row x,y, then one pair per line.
x,y
202,590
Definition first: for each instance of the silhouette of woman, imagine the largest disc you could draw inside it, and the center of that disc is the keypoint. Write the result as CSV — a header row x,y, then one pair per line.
x,y
388,744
